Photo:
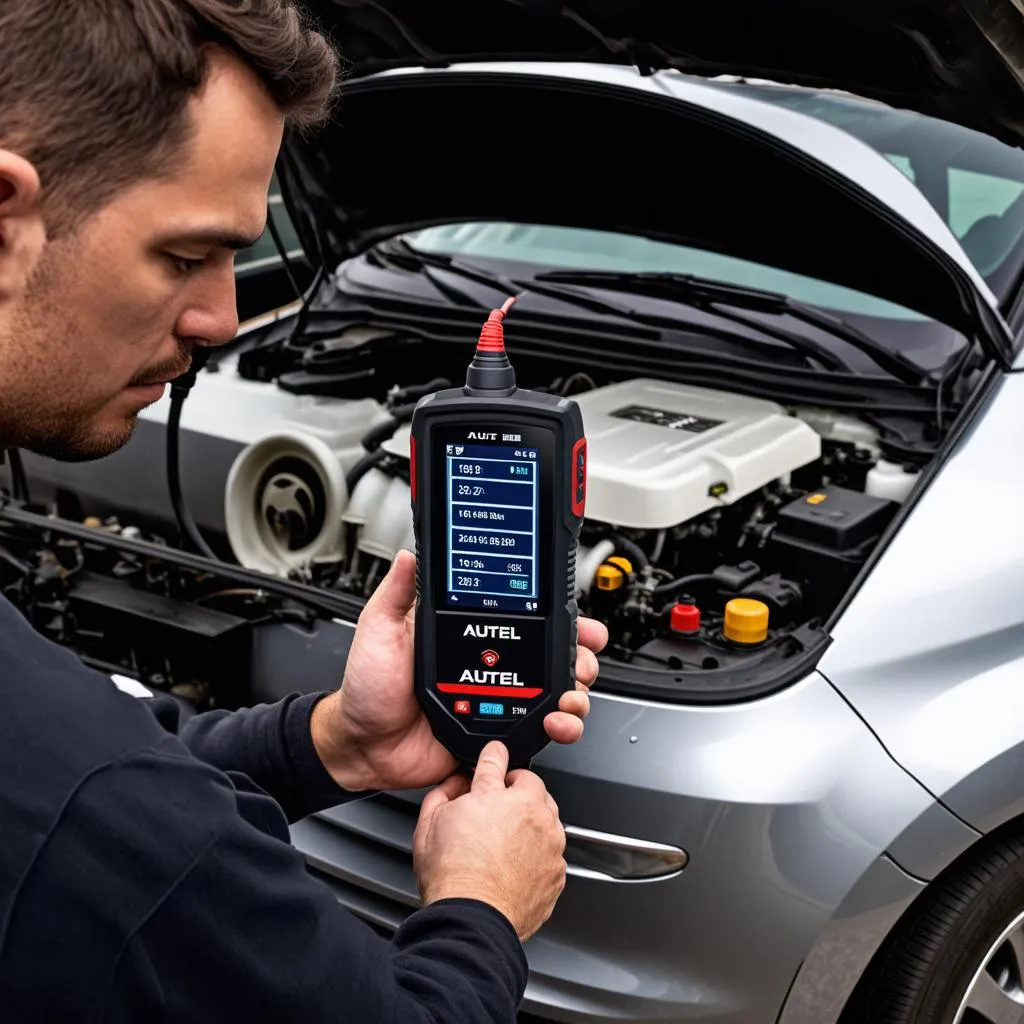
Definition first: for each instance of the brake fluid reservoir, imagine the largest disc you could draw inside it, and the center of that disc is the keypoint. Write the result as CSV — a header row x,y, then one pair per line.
x,y
889,480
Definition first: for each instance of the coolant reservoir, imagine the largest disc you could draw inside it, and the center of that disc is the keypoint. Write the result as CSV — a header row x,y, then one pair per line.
x,y
889,480
386,530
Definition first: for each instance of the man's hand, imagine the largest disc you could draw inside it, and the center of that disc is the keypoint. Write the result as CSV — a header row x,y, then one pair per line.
x,y
498,840
372,733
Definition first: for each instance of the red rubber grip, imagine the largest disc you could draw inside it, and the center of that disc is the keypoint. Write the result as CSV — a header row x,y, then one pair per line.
x,y
578,476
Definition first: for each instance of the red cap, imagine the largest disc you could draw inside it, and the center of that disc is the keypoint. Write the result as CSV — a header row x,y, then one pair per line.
x,y
685,618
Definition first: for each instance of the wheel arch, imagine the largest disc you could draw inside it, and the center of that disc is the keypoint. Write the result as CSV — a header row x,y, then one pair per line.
x,y
855,1009
854,946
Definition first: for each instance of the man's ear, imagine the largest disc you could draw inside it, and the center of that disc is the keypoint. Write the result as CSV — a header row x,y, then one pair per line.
x,y
22,229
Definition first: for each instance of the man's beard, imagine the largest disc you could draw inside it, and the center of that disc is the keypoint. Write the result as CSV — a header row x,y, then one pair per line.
x,y
38,410
67,445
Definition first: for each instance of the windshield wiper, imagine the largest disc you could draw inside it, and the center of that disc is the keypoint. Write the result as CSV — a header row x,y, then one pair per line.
x,y
711,296
399,253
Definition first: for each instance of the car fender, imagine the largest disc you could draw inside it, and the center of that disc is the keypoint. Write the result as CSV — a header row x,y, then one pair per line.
x,y
930,651
844,948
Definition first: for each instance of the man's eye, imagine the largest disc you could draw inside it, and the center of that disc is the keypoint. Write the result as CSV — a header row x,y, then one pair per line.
x,y
183,264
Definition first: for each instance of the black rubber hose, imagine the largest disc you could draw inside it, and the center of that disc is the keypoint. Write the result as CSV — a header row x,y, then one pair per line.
x,y
633,552
417,391
179,392
674,586
375,436
286,263
361,468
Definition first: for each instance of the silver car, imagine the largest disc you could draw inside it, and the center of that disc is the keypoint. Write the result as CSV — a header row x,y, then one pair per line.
x,y
776,254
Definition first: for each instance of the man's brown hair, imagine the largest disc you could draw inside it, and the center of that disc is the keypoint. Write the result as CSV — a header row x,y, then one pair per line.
x,y
93,92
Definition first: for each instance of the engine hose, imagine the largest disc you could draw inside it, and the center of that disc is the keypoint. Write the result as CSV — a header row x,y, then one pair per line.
x,y
417,391
634,552
362,467
674,586
377,435
589,563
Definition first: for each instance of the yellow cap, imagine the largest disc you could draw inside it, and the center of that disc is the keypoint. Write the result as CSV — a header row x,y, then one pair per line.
x,y
93,522
746,621
612,574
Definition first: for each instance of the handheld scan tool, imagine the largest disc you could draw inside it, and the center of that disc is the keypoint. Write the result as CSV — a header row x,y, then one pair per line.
x,y
498,480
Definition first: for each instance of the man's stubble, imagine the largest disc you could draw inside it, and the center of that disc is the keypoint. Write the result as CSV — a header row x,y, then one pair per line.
x,y
42,360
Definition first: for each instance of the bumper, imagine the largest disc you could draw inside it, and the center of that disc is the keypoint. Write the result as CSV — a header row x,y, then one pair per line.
x,y
782,806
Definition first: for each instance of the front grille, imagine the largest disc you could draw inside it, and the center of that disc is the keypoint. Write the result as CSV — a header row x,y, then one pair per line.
x,y
363,852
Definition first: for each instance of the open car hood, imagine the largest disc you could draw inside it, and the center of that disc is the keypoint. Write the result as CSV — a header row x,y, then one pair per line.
x,y
962,60
532,111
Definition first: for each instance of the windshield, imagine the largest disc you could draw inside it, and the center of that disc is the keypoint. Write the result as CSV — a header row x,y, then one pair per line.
x,y
975,183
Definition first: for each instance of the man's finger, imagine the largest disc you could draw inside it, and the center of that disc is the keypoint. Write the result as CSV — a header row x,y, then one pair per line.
x,y
592,634
528,782
524,779
452,788
491,767
396,593
575,702
563,728
586,665
553,807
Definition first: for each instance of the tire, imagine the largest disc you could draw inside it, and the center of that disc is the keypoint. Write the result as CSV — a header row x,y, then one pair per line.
x,y
962,943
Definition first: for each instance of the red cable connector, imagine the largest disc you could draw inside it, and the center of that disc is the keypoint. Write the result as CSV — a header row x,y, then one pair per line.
x,y
492,334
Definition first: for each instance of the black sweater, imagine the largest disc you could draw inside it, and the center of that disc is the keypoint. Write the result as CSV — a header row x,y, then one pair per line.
x,y
146,873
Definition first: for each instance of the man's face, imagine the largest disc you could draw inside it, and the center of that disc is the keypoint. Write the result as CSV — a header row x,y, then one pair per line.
x,y
112,311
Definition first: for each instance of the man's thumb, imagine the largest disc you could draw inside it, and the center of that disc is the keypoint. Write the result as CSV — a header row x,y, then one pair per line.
x,y
491,767
396,593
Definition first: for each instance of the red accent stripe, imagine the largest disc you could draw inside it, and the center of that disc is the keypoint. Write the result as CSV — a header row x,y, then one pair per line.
x,y
579,447
490,691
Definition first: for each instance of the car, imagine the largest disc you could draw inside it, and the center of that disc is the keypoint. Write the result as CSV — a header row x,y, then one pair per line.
x,y
775,253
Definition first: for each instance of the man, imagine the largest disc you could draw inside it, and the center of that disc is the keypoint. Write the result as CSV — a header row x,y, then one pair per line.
x,y
145,873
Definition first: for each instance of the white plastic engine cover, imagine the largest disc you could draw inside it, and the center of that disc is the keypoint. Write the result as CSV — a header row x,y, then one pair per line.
x,y
658,453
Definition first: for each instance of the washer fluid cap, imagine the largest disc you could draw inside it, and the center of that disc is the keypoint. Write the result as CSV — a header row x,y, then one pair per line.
x,y
746,621
612,574
685,618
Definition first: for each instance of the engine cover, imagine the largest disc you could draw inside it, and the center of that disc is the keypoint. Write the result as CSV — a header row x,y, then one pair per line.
x,y
661,453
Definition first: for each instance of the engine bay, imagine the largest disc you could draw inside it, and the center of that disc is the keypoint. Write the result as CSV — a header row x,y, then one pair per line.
x,y
704,508
721,532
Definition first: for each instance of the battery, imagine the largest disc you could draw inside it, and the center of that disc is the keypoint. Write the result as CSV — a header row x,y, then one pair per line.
x,y
835,518
823,538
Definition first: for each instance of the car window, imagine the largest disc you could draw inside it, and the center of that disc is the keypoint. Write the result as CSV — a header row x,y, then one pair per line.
x,y
902,163
975,182
264,253
985,213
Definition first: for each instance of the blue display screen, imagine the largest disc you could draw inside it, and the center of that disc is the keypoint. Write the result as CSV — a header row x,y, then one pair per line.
x,y
493,501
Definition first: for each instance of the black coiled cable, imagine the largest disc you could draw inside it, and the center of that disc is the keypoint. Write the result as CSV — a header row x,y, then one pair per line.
x,y
180,388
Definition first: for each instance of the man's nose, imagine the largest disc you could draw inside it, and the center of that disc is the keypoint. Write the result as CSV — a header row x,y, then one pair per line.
x,y
211,317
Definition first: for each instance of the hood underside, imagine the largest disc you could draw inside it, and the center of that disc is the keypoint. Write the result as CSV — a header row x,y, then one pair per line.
x,y
536,131
962,60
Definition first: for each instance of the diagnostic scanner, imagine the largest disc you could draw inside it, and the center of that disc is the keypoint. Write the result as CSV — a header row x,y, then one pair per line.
x,y
498,482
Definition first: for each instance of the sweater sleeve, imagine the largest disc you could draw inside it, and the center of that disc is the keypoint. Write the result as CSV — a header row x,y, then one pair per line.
x,y
272,745
196,913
